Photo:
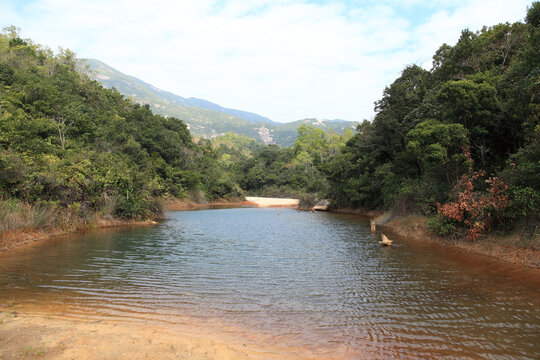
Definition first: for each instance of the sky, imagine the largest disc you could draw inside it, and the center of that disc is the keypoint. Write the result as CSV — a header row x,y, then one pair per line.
x,y
283,59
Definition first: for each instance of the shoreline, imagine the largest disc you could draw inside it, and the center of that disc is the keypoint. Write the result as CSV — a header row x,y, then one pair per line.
x,y
415,227
40,328
17,238
266,202
181,205
49,335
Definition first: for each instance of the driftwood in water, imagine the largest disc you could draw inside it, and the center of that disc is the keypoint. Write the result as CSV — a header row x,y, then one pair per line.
x,y
385,241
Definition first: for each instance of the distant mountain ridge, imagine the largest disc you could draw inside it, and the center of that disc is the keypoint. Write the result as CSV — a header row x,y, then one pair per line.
x,y
205,118
111,77
246,115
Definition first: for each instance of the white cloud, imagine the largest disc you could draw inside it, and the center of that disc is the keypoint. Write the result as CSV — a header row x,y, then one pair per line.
x,y
285,59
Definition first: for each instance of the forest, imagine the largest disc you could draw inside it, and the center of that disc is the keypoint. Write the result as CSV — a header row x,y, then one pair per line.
x,y
459,143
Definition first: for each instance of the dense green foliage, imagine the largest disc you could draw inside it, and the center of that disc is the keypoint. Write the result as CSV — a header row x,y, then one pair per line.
x,y
274,171
474,115
70,146
460,142
67,142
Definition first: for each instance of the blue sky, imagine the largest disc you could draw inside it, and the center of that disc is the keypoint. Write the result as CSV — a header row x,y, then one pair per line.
x,y
284,59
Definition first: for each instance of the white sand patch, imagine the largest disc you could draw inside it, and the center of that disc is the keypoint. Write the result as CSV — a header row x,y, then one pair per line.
x,y
272,202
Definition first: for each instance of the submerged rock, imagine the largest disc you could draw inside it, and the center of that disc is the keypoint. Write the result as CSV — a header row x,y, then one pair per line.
x,y
322,205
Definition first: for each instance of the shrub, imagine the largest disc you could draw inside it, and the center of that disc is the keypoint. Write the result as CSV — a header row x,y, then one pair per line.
x,y
474,210
441,225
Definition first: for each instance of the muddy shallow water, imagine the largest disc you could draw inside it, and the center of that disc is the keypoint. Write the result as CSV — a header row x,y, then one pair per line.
x,y
310,283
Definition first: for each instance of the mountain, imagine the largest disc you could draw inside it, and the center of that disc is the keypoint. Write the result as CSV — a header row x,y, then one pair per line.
x,y
246,115
204,118
137,88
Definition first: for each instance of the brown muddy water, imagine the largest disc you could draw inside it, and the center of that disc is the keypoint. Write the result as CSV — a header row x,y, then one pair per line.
x,y
314,284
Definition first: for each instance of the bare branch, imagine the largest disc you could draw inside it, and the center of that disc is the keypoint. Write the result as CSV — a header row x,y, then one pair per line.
x,y
63,126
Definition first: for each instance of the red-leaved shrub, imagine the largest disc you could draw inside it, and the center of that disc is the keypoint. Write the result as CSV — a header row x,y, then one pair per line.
x,y
474,210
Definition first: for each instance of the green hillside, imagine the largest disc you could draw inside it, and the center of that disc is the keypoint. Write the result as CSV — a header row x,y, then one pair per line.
x,y
74,154
205,122
202,122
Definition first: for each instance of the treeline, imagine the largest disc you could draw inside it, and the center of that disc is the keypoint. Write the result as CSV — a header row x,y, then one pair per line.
x,y
74,151
297,171
460,140
460,143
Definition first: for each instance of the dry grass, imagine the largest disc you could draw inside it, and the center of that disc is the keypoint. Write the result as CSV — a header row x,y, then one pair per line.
x,y
412,226
514,248
21,223
18,215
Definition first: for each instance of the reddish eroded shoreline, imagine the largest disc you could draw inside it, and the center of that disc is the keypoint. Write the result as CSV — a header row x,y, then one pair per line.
x,y
411,227
47,330
415,227
12,239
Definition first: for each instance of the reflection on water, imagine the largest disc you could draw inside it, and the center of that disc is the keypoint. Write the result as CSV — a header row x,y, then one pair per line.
x,y
318,282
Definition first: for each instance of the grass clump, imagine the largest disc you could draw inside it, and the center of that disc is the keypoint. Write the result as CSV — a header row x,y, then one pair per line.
x,y
15,214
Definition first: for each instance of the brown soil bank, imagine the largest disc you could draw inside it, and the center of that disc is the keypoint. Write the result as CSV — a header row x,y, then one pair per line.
x,y
27,335
30,336
507,248
11,239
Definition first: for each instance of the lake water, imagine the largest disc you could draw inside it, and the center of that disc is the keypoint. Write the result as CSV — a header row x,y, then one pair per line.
x,y
313,284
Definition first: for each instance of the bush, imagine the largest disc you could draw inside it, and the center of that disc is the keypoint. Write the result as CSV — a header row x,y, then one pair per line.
x,y
442,226
474,210
307,201
135,206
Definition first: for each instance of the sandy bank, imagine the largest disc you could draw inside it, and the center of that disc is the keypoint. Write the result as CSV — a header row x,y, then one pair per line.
x,y
272,202
45,337
49,335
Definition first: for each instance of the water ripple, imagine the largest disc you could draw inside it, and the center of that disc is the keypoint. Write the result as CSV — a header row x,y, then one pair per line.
x,y
315,281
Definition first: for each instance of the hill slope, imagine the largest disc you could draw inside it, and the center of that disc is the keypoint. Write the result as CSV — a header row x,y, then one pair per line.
x,y
203,117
